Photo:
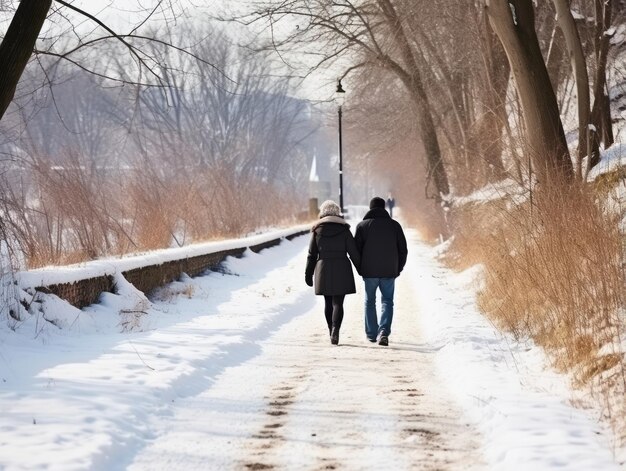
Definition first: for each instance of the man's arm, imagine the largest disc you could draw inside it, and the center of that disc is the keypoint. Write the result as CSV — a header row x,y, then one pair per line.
x,y
359,238
403,250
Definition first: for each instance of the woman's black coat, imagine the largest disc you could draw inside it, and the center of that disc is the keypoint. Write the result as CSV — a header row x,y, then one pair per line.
x,y
331,241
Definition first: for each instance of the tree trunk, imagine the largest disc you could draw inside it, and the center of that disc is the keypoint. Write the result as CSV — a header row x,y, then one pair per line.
x,y
491,124
513,22
579,67
454,83
413,81
601,112
428,134
456,91
555,49
17,46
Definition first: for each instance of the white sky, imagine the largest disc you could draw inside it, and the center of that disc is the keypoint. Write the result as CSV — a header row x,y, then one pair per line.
x,y
123,15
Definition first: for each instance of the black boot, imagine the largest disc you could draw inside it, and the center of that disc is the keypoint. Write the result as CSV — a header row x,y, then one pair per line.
x,y
334,336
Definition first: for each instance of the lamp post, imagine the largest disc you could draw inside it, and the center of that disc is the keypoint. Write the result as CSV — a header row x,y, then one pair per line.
x,y
340,96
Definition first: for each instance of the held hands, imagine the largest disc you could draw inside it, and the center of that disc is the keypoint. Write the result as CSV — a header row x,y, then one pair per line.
x,y
308,279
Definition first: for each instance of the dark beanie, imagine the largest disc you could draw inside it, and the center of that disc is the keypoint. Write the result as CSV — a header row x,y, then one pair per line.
x,y
377,202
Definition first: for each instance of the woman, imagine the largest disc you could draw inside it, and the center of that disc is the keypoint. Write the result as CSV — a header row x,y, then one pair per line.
x,y
331,240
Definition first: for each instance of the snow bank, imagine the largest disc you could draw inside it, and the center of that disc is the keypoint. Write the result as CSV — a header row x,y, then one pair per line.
x,y
90,396
521,407
72,273
508,188
611,159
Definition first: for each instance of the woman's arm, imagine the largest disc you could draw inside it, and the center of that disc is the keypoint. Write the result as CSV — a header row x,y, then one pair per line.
x,y
311,260
353,252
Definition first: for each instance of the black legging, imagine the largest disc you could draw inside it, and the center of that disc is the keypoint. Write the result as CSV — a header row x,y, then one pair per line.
x,y
333,310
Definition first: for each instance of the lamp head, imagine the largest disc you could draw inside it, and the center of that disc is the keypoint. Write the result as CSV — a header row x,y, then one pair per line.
x,y
340,94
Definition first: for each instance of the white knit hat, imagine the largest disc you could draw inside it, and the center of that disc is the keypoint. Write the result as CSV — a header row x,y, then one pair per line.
x,y
329,208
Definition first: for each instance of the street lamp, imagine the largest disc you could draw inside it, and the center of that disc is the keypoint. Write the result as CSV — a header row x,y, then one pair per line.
x,y
340,96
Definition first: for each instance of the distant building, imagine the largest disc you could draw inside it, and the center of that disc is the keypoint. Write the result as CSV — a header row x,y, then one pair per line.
x,y
319,182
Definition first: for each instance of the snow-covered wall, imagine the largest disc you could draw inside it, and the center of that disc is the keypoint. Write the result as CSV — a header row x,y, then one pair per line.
x,y
82,284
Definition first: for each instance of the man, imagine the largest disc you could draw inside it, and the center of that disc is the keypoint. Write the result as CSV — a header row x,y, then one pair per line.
x,y
390,204
382,245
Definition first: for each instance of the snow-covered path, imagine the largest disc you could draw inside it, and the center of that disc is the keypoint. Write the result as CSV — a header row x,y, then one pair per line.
x,y
305,404
234,370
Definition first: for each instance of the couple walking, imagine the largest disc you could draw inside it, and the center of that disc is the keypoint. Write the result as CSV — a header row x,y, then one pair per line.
x,y
378,251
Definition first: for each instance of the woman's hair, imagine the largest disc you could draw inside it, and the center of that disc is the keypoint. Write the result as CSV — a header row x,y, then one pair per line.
x,y
329,208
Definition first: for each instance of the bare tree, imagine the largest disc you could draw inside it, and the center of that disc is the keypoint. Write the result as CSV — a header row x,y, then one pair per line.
x,y
18,44
602,126
377,34
493,119
464,62
243,121
514,23
579,66
27,25
55,120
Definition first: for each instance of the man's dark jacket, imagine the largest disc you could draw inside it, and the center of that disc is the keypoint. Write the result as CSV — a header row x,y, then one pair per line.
x,y
380,241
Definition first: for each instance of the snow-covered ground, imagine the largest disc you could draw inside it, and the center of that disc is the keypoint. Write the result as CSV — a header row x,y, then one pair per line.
x,y
234,370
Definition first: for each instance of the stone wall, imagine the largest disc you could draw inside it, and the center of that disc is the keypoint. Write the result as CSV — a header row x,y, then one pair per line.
x,y
85,292
81,293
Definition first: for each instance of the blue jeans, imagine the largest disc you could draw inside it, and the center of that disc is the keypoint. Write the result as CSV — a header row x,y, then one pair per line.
x,y
387,286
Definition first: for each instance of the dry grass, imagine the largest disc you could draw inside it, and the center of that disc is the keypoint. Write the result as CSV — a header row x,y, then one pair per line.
x,y
170,292
74,213
555,273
